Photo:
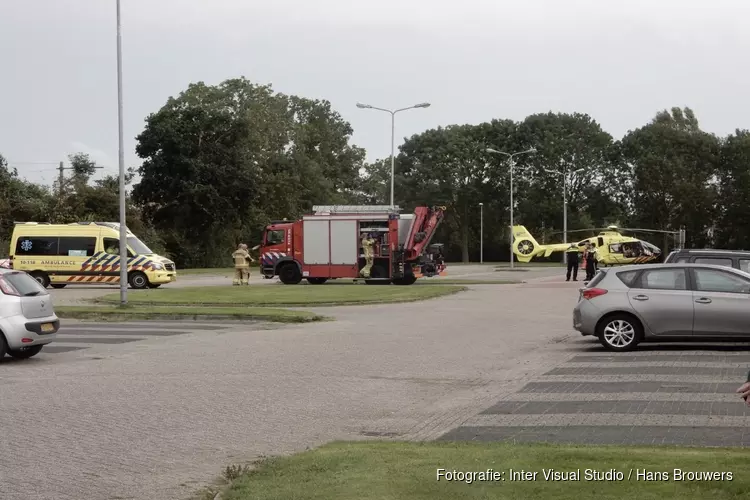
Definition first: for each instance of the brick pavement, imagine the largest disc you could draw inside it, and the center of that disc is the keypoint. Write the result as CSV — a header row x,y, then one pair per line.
x,y
679,394
161,416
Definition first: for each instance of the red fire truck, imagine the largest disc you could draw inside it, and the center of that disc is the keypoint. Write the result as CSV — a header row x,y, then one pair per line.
x,y
327,244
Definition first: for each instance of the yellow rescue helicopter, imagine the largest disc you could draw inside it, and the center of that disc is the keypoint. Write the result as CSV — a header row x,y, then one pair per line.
x,y
612,248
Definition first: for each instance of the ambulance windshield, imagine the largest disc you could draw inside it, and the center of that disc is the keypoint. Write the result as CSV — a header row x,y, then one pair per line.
x,y
138,246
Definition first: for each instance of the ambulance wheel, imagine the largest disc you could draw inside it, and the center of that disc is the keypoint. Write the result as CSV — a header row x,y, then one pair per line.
x,y
289,274
59,285
40,278
317,281
138,280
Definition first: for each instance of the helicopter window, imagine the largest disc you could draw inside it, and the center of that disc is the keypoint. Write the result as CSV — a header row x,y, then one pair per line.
x,y
615,248
601,241
631,250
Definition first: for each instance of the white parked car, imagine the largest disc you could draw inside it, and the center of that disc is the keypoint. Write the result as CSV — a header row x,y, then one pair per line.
x,y
27,318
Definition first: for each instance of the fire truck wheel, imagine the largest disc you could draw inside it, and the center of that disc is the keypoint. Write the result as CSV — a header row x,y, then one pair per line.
x,y
406,280
380,273
289,274
317,281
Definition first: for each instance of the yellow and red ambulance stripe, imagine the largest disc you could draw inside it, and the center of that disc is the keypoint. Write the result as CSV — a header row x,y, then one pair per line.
x,y
93,279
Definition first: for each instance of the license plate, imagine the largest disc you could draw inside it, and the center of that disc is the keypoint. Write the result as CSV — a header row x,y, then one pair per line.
x,y
48,328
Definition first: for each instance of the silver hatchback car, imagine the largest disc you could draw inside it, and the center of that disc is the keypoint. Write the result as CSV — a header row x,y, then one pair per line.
x,y
27,318
623,306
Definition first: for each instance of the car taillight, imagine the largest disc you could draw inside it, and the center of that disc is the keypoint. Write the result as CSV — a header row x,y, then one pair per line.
x,y
590,293
7,288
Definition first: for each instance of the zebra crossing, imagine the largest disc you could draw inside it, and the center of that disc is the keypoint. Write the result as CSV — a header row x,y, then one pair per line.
x,y
660,394
77,336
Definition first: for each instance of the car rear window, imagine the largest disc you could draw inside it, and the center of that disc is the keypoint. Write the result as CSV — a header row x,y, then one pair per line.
x,y
25,284
628,277
599,276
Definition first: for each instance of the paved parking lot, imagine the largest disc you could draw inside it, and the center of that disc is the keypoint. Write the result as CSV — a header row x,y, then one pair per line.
x,y
162,411
80,335
662,394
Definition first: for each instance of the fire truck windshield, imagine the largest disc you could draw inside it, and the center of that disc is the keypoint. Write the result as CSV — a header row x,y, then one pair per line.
x,y
274,236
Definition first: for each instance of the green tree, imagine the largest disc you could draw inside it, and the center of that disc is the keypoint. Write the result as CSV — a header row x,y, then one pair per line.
x,y
733,226
673,166
575,154
220,161
450,166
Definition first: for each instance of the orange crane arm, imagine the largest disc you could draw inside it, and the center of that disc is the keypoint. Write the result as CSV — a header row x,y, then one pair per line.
x,y
426,222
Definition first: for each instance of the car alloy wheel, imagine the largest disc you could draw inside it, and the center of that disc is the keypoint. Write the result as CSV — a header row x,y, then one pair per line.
x,y
619,334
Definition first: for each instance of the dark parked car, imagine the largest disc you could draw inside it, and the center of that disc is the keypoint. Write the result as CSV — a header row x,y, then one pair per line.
x,y
738,259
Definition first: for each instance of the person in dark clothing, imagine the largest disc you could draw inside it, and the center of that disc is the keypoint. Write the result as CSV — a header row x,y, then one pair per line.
x,y
571,254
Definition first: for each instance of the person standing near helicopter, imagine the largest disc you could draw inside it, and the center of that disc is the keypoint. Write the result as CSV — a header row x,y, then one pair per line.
x,y
590,261
571,255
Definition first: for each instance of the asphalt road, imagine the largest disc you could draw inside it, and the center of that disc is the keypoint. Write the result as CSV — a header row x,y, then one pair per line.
x,y
159,416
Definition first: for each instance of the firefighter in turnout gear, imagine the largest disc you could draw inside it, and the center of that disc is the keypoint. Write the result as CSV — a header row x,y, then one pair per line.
x,y
368,248
242,261
571,254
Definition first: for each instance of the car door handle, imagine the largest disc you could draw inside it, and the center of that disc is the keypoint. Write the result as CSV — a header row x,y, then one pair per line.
x,y
640,297
703,300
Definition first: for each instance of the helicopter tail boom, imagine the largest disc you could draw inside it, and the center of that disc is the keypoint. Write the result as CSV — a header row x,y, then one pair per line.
x,y
525,247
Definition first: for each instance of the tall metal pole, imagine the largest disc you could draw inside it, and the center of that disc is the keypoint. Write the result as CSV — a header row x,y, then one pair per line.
x,y
123,227
393,133
565,216
393,152
512,164
481,233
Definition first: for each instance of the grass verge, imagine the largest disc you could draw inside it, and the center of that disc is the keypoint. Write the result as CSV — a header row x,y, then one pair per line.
x,y
136,313
285,295
209,271
434,281
408,471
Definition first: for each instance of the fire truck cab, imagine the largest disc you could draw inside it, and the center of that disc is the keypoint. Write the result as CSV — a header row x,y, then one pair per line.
x,y
327,244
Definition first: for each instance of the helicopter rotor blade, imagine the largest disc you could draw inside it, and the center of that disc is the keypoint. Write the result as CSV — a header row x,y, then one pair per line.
x,y
641,230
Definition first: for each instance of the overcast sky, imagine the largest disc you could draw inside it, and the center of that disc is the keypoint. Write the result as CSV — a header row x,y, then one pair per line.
x,y
474,60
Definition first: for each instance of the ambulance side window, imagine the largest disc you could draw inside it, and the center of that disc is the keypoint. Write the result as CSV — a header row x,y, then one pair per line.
x,y
35,245
112,246
275,237
75,246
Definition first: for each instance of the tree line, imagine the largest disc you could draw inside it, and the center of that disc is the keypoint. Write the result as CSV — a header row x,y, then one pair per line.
x,y
219,162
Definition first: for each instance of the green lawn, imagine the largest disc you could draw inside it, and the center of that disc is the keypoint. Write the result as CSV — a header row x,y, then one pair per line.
x,y
408,471
434,281
141,312
210,271
285,295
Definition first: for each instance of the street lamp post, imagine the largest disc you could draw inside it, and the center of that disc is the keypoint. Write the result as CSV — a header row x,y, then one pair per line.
x,y
481,233
393,132
123,227
512,164
565,175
